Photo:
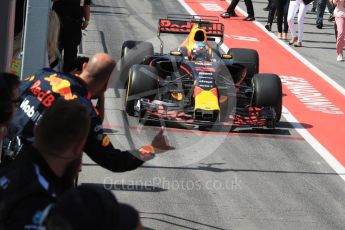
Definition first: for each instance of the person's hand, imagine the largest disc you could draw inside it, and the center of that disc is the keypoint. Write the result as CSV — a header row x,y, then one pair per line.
x,y
100,105
84,24
159,144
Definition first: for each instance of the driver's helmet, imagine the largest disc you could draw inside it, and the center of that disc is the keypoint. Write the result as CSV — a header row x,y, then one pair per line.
x,y
200,51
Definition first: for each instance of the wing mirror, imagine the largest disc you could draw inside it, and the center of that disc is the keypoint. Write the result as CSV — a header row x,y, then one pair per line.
x,y
175,53
226,56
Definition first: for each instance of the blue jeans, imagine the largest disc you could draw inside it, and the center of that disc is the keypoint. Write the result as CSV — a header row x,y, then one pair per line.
x,y
320,10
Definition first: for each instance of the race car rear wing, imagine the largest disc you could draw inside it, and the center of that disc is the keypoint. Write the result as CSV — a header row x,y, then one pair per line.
x,y
183,24
194,17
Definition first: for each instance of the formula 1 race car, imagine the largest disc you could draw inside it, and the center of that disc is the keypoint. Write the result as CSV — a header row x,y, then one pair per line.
x,y
197,84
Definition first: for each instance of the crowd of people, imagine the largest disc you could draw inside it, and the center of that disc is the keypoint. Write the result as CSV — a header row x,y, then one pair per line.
x,y
285,11
48,121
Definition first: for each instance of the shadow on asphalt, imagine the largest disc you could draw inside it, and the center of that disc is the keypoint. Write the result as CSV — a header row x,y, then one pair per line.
x,y
323,27
106,13
318,47
290,125
210,168
329,42
275,131
128,187
110,131
90,164
318,33
178,218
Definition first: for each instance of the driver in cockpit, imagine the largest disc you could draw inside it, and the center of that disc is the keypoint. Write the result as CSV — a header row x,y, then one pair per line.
x,y
200,52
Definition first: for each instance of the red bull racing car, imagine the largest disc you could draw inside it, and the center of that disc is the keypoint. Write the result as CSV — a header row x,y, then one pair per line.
x,y
195,83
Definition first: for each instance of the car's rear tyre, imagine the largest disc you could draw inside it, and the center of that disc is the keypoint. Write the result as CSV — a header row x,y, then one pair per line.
x,y
248,58
132,52
267,90
142,83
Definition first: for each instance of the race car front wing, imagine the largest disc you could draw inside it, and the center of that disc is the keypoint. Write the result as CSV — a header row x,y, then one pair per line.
x,y
174,112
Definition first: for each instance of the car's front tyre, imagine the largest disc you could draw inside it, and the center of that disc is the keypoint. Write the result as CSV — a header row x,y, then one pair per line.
x,y
142,83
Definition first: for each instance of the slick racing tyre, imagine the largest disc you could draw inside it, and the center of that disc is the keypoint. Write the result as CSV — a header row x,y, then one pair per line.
x,y
142,83
132,52
248,58
267,90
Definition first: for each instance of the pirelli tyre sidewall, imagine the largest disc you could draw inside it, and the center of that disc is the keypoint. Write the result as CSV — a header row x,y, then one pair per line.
x,y
142,83
248,58
267,90
132,52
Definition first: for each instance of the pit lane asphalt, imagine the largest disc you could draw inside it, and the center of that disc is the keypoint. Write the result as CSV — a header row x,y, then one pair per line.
x,y
250,180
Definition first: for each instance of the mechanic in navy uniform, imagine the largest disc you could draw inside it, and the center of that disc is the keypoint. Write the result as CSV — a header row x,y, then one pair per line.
x,y
40,91
47,168
90,207
74,16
